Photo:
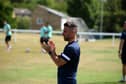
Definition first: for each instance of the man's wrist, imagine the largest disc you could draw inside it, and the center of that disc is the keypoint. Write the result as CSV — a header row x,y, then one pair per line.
x,y
120,51
50,53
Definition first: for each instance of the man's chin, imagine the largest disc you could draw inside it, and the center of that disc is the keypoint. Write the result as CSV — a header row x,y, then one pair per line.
x,y
66,39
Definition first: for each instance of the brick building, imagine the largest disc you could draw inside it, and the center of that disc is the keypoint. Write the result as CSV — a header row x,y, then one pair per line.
x,y
43,14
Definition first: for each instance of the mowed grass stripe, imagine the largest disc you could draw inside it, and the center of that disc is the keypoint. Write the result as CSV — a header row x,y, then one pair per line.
x,y
99,62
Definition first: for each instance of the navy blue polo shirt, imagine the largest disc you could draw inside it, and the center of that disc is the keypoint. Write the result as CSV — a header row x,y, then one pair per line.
x,y
67,72
123,36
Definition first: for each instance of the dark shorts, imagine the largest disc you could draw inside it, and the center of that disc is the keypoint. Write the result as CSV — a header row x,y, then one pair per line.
x,y
7,38
42,39
67,81
123,58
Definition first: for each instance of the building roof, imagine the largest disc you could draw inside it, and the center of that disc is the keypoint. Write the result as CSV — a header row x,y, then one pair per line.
x,y
54,11
22,12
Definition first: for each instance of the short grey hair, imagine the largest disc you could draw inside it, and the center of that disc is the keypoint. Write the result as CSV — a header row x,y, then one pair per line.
x,y
70,24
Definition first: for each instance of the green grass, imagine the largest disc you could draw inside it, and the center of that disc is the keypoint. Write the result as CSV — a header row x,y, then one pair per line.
x,y
99,62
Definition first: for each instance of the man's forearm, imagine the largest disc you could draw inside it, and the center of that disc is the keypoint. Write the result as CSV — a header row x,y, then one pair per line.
x,y
121,46
54,57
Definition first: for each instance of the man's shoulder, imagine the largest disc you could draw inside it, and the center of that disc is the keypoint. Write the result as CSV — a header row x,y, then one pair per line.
x,y
124,33
43,28
73,46
6,26
75,43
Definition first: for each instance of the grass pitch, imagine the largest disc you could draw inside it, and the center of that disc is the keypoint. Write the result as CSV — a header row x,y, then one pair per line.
x,y
99,62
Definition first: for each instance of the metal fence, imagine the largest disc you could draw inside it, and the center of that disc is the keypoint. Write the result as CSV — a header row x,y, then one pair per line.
x,y
113,35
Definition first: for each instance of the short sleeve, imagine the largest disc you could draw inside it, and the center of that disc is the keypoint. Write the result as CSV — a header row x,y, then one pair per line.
x,y
123,35
67,54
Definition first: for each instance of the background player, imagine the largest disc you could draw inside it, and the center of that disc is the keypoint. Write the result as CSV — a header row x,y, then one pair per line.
x,y
7,30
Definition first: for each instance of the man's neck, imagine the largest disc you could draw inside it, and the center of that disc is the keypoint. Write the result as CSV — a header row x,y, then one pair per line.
x,y
71,40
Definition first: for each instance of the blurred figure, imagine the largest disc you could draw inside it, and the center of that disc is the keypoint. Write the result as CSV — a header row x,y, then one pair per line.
x,y
7,30
122,52
50,30
43,36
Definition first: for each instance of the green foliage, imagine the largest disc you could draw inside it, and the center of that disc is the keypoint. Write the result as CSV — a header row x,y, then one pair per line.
x,y
5,12
123,6
18,1
113,16
25,4
79,8
89,10
94,10
58,5
23,22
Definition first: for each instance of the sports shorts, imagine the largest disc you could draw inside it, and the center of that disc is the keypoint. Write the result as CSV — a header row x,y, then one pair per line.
x,y
44,39
7,38
123,57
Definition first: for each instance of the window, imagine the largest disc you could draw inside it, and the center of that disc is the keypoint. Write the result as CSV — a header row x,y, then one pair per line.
x,y
39,21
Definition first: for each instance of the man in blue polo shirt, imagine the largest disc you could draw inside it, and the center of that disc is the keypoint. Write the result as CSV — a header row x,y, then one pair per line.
x,y
122,52
68,60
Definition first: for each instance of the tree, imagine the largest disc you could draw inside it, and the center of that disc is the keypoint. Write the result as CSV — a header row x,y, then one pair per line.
x,y
112,19
95,13
60,5
123,5
17,1
90,11
80,8
5,12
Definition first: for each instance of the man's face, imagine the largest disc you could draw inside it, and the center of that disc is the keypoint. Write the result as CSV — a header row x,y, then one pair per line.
x,y
67,34
4,22
125,26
